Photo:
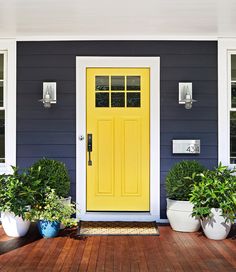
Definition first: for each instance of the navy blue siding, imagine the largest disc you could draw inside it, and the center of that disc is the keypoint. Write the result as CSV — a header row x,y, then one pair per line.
x,y
51,133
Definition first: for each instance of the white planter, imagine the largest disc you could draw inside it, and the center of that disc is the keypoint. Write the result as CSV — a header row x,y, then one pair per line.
x,y
215,227
14,226
179,214
65,201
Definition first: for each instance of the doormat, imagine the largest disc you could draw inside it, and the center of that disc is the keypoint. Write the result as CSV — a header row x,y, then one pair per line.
x,y
90,228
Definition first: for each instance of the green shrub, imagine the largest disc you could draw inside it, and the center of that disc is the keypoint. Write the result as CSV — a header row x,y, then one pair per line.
x,y
216,189
53,174
178,186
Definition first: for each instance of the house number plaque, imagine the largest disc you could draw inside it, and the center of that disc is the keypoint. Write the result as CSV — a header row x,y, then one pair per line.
x,y
186,146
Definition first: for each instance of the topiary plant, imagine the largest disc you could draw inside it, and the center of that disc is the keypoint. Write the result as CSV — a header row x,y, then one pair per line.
x,y
54,174
179,181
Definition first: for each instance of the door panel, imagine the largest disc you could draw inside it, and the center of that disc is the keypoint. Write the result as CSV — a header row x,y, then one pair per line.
x,y
118,119
105,155
131,160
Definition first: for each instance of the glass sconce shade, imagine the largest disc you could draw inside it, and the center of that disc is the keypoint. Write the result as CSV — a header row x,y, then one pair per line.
x,y
185,95
49,94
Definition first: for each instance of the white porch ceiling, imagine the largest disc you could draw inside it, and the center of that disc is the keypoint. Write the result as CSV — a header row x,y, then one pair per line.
x,y
121,19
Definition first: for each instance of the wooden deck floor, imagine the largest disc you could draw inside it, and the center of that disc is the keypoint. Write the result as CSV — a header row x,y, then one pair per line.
x,y
171,251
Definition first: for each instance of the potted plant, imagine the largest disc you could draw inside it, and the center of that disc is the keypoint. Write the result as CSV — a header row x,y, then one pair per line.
x,y
178,188
51,213
214,201
53,174
16,196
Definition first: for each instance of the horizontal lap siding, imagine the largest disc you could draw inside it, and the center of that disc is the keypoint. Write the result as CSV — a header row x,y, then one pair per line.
x,y
51,133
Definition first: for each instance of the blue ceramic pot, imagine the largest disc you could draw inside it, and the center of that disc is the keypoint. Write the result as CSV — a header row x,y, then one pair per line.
x,y
48,229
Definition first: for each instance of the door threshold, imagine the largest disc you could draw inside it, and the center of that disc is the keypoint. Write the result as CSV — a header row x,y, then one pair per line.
x,y
118,216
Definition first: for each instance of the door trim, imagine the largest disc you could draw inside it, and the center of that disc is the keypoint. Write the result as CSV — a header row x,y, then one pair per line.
x,y
127,62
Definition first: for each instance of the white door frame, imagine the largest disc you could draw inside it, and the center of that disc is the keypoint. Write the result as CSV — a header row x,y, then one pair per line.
x,y
144,62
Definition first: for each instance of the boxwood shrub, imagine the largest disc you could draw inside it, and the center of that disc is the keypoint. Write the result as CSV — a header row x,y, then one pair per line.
x,y
54,174
178,186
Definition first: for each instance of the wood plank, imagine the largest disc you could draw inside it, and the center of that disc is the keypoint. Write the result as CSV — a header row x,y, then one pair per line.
x,y
191,249
73,253
212,261
117,254
200,259
134,256
140,252
94,254
80,246
12,257
109,260
154,257
56,253
62,257
86,255
186,260
102,254
168,250
171,251
125,257
225,251
51,245
33,259
18,258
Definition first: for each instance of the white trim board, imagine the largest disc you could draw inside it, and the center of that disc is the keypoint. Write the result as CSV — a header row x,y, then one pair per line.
x,y
154,64
9,49
225,47
118,38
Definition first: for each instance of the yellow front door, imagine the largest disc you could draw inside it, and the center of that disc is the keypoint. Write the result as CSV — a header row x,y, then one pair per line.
x,y
118,139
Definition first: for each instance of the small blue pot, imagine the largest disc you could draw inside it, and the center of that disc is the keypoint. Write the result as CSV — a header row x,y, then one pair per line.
x,y
48,229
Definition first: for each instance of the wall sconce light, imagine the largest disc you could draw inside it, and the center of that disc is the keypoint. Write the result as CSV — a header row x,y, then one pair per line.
x,y
49,94
185,95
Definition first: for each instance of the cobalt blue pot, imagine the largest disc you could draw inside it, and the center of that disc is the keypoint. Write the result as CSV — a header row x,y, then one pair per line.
x,y
48,229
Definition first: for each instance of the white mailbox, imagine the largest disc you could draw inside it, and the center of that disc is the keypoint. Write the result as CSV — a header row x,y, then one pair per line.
x,y
186,146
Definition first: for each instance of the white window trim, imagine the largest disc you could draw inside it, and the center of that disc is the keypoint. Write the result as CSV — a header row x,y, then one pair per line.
x,y
9,49
154,64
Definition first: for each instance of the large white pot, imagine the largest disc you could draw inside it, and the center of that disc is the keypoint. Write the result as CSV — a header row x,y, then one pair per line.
x,y
14,226
215,227
180,217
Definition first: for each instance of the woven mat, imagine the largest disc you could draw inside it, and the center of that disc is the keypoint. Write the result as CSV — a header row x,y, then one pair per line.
x,y
89,228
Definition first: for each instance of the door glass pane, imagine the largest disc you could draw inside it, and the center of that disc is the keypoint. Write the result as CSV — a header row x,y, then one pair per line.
x,y
233,137
2,136
102,100
233,67
1,66
1,94
117,99
102,83
133,99
133,83
117,83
